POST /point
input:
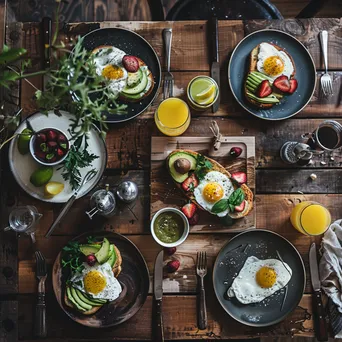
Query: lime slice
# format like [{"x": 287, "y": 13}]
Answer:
[
  {"x": 207, "y": 101},
  {"x": 52, "y": 189},
  {"x": 41, "y": 176},
  {"x": 24, "y": 140},
  {"x": 206, "y": 94}
]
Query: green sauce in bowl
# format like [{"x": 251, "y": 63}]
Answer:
[{"x": 168, "y": 227}]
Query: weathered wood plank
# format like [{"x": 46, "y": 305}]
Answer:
[
  {"x": 9, "y": 321},
  {"x": 179, "y": 322}
]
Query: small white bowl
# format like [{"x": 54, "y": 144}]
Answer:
[
  {"x": 185, "y": 232},
  {"x": 31, "y": 147}
]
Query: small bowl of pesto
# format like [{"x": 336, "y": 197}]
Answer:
[{"x": 169, "y": 227}]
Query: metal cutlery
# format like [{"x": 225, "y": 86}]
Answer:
[
  {"x": 89, "y": 176},
  {"x": 40, "y": 318},
  {"x": 201, "y": 270},
  {"x": 326, "y": 82},
  {"x": 318, "y": 309},
  {"x": 215, "y": 65},
  {"x": 168, "y": 77},
  {"x": 158, "y": 330}
]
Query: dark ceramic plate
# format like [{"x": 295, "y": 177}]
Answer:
[
  {"x": 132, "y": 44},
  {"x": 263, "y": 244},
  {"x": 134, "y": 279},
  {"x": 305, "y": 74}
]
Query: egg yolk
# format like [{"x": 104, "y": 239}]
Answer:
[
  {"x": 94, "y": 282},
  {"x": 273, "y": 65},
  {"x": 113, "y": 72},
  {"x": 213, "y": 192},
  {"x": 266, "y": 277}
]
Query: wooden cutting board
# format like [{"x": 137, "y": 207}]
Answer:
[{"x": 164, "y": 193}]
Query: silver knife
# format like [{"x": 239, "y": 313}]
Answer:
[
  {"x": 215, "y": 65},
  {"x": 318, "y": 310},
  {"x": 158, "y": 331}
]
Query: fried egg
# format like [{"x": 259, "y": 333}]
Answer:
[
  {"x": 214, "y": 187},
  {"x": 108, "y": 63},
  {"x": 273, "y": 62},
  {"x": 259, "y": 279},
  {"x": 97, "y": 280}
]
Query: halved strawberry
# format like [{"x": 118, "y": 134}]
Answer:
[
  {"x": 189, "y": 210},
  {"x": 282, "y": 83},
  {"x": 293, "y": 85},
  {"x": 240, "y": 177},
  {"x": 194, "y": 220},
  {"x": 130, "y": 63},
  {"x": 240, "y": 207},
  {"x": 264, "y": 89},
  {"x": 190, "y": 183}
]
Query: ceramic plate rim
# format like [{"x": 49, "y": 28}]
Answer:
[
  {"x": 233, "y": 92},
  {"x": 215, "y": 288}
]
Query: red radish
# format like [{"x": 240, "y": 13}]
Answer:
[
  {"x": 240, "y": 207},
  {"x": 293, "y": 86},
  {"x": 130, "y": 63},
  {"x": 40, "y": 138},
  {"x": 186, "y": 185},
  {"x": 60, "y": 153},
  {"x": 172, "y": 266},
  {"x": 194, "y": 220},
  {"x": 282, "y": 83},
  {"x": 235, "y": 151},
  {"x": 189, "y": 210},
  {"x": 264, "y": 89},
  {"x": 40, "y": 154},
  {"x": 51, "y": 135},
  {"x": 91, "y": 259},
  {"x": 61, "y": 139},
  {"x": 240, "y": 177},
  {"x": 52, "y": 145},
  {"x": 170, "y": 250}
]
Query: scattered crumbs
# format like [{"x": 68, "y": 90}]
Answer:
[
  {"x": 185, "y": 276},
  {"x": 332, "y": 158},
  {"x": 313, "y": 176},
  {"x": 300, "y": 192},
  {"x": 323, "y": 162}
]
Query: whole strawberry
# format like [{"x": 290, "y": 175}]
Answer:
[
  {"x": 91, "y": 259},
  {"x": 194, "y": 220},
  {"x": 170, "y": 250},
  {"x": 235, "y": 152},
  {"x": 172, "y": 266}
]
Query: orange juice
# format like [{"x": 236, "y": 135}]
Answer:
[
  {"x": 172, "y": 116},
  {"x": 310, "y": 218}
]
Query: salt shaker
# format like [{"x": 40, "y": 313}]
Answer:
[
  {"x": 127, "y": 191},
  {"x": 102, "y": 203}
]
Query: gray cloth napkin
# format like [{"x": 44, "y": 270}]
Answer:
[{"x": 330, "y": 269}]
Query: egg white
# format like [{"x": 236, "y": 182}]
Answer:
[
  {"x": 112, "y": 289},
  {"x": 220, "y": 178},
  {"x": 267, "y": 50},
  {"x": 245, "y": 287}
]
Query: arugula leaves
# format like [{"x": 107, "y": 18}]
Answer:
[
  {"x": 72, "y": 257},
  {"x": 202, "y": 165},
  {"x": 234, "y": 200}
]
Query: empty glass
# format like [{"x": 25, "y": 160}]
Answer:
[{"x": 23, "y": 220}]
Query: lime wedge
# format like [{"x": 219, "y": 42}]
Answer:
[
  {"x": 24, "y": 140},
  {"x": 206, "y": 94},
  {"x": 52, "y": 189},
  {"x": 207, "y": 101}
]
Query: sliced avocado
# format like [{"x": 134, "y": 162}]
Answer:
[
  {"x": 102, "y": 254},
  {"x": 140, "y": 87},
  {"x": 89, "y": 249},
  {"x": 95, "y": 300},
  {"x": 112, "y": 258},
  {"x": 87, "y": 300},
  {"x": 179, "y": 178},
  {"x": 134, "y": 78},
  {"x": 72, "y": 300},
  {"x": 79, "y": 301}
]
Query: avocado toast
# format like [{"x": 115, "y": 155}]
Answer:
[
  {"x": 191, "y": 173},
  {"x": 92, "y": 272}
]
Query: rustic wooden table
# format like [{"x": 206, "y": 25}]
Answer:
[{"x": 278, "y": 187}]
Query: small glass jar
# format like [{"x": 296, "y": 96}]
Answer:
[
  {"x": 202, "y": 92},
  {"x": 172, "y": 117}
]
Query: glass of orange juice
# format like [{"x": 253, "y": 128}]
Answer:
[
  {"x": 310, "y": 218},
  {"x": 172, "y": 117}
]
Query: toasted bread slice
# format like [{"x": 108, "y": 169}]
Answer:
[
  {"x": 253, "y": 67},
  {"x": 216, "y": 167},
  {"x": 70, "y": 305},
  {"x": 117, "y": 266}
]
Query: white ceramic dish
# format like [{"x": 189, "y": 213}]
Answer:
[
  {"x": 22, "y": 166},
  {"x": 185, "y": 232}
]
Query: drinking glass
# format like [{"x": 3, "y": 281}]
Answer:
[
  {"x": 310, "y": 218},
  {"x": 23, "y": 220}
]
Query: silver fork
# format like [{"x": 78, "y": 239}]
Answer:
[
  {"x": 89, "y": 176},
  {"x": 201, "y": 270},
  {"x": 41, "y": 273},
  {"x": 326, "y": 82},
  {"x": 168, "y": 77}
]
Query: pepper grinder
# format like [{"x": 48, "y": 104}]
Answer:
[
  {"x": 293, "y": 152},
  {"x": 102, "y": 203},
  {"x": 127, "y": 191}
]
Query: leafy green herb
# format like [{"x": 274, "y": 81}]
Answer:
[
  {"x": 43, "y": 147},
  {"x": 220, "y": 206},
  {"x": 202, "y": 166},
  {"x": 72, "y": 257},
  {"x": 49, "y": 156},
  {"x": 191, "y": 187},
  {"x": 234, "y": 200},
  {"x": 77, "y": 158},
  {"x": 90, "y": 239},
  {"x": 236, "y": 197}
]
